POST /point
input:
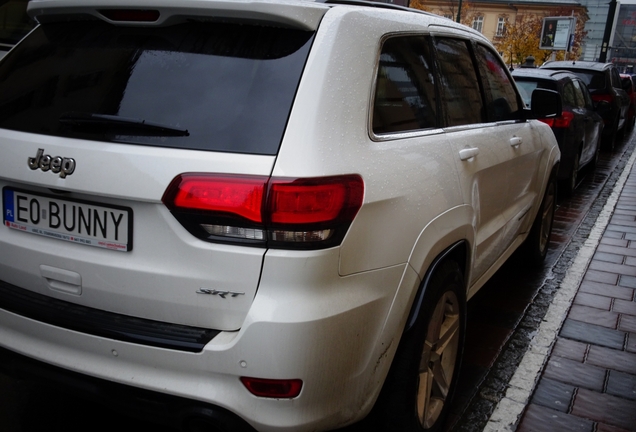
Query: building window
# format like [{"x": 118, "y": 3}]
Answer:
[
  {"x": 501, "y": 26},
  {"x": 478, "y": 23}
]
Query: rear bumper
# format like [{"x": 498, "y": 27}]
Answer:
[
  {"x": 161, "y": 409},
  {"x": 337, "y": 351}
]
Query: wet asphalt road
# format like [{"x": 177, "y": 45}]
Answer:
[{"x": 501, "y": 320}]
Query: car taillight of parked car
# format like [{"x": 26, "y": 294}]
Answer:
[
  {"x": 560, "y": 122},
  {"x": 306, "y": 213}
]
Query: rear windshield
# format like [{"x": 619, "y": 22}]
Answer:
[
  {"x": 526, "y": 87},
  {"x": 14, "y": 22},
  {"x": 593, "y": 80},
  {"x": 205, "y": 86}
]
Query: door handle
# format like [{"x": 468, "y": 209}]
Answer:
[
  {"x": 62, "y": 280},
  {"x": 515, "y": 141},
  {"x": 468, "y": 153}
]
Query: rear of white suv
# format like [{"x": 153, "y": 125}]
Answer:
[{"x": 225, "y": 202}]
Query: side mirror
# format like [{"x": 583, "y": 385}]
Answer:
[{"x": 545, "y": 104}]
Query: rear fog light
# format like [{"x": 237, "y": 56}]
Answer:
[{"x": 273, "y": 388}]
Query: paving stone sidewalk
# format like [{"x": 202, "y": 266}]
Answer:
[{"x": 589, "y": 381}]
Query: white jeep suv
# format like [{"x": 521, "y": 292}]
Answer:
[{"x": 270, "y": 213}]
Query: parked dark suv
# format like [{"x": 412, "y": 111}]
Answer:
[
  {"x": 604, "y": 83},
  {"x": 578, "y": 129},
  {"x": 629, "y": 85}
]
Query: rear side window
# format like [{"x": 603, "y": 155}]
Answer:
[
  {"x": 405, "y": 97},
  {"x": 207, "y": 86},
  {"x": 501, "y": 101},
  {"x": 616, "y": 78},
  {"x": 587, "y": 99},
  {"x": 569, "y": 96},
  {"x": 462, "y": 97},
  {"x": 580, "y": 97}
]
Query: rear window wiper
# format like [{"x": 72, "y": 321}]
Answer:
[{"x": 122, "y": 124}]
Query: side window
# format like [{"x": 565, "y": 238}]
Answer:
[
  {"x": 589, "y": 103},
  {"x": 616, "y": 79},
  {"x": 501, "y": 98},
  {"x": 578, "y": 93},
  {"x": 461, "y": 95},
  {"x": 569, "y": 97},
  {"x": 586, "y": 94},
  {"x": 405, "y": 87}
]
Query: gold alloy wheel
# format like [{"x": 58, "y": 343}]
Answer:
[{"x": 438, "y": 360}]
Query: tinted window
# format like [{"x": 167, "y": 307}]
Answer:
[
  {"x": 14, "y": 21},
  {"x": 586, "y": 94},
  {"x": 405, "y": 87},
  {"x": 578, "y": 93},
  {"x": 569, "y": 97},
  {"x": 526, "y": 87},
  {"x": 593, "y": 80},
  {"x": 229, "y": 86},
  {"x": 462, "y": 97},
  {"x": 500, "y": 93},
  {"x": 616, "y": 78}
]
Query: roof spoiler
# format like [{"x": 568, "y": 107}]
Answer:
[{"x": 305, "y": 16}]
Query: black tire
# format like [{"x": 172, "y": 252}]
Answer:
[
  {"x": 536, "y": 245},
  {"x": 612, "y": 137},
  {"x": 421, "y": 383},
  {"x": 594, "y": 162}
]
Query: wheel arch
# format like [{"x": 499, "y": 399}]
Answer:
[{"x": 457, "y": 252}]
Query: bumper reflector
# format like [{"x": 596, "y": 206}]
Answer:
[{"x": 273, "y": 388}]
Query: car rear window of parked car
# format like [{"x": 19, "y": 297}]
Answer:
[
  {"x": 593, "y": 80},
  {"x": 207, "y": 86}
]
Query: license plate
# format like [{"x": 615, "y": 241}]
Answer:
[{"x": 81, "y": 222}]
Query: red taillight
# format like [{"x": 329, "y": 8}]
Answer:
[
  {"x": 263, "y": 211},
  {"x": 238, "y": 195},
  {"x": 131, "y": 15},
  {"x": 307, "y": 201},
  {"x": 565, "y": 120},
  {"x": 560, "y": 122},
  {"x": 273, "y": 388}
]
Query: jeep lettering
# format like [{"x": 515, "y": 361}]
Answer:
[{"x": 57, "y": 164}]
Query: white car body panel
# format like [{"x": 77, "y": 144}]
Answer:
[
  {"x": 331, "y": 317},
  {"x": 132, "y": 283}
]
